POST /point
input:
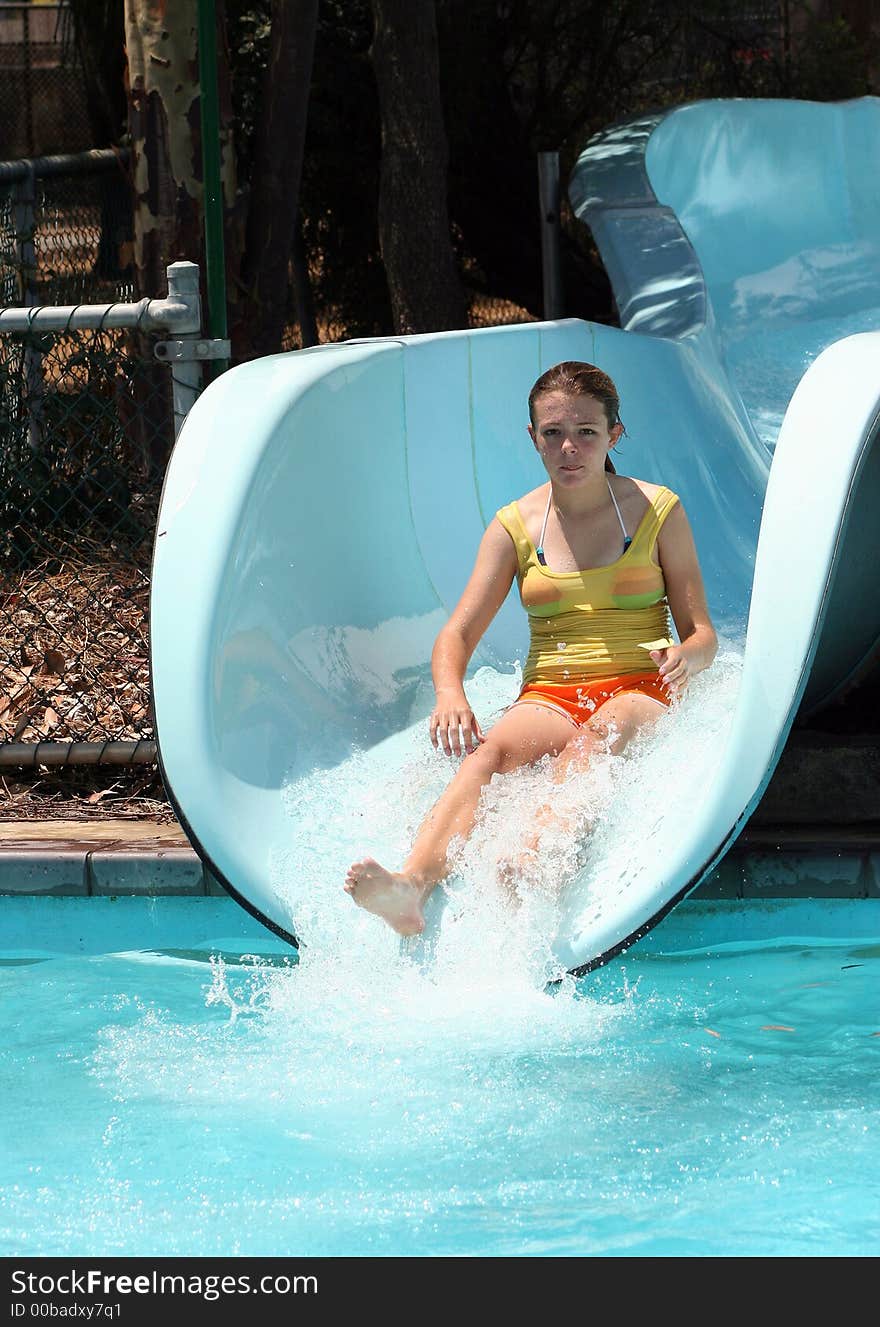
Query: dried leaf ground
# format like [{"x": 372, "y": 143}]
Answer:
[
  {"x": 86, "y": 793},
  {"x": 74, "y": 638}
]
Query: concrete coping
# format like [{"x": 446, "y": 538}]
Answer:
[
  {"x": 131, "y": 857},
  {"x": 101, "y": 858}
]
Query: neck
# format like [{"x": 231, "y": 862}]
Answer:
[{"x": 589, "y": 497}]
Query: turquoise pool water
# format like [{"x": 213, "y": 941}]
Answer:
[{"x": 175, "y": 1085}]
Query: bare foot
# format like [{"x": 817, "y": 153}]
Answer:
[
  {"x": 512, "y": 871},
  {"x": 395, "y": 898},
  {"x": 525, "y": 864},
  {"x": 525, "y": 861}
]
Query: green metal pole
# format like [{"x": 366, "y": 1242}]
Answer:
[{"x": 215, "y": 257}]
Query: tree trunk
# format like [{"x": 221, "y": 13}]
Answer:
[
  {"x": 302, "y": 291},
  {"x": 163, "y": 116},
  {"x": 277, "y": 170},
  {"x": 99, "y": 32},
  {"x": 99, "y": 29},
  {"x": 863, "y": 20},
  {"x": 164, "y": 120},
  {"x": 414, "y": 234},
  {"x": 162, "y": 85}
]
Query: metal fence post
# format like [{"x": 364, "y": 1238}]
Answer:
[
  {"x": 183, "y": 352},
  {"x": 24, "y": 223},
  {"x": 215, "y": 261},
  {"x": 28, "y": 78},
  {"x": 551, "y": 264}
]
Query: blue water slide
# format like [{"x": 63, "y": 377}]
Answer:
[{"x": 322, "y": 508}]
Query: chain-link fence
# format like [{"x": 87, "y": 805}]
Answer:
[
  {"x": 66, "y": 229},
  {"x": 80, "y": 476},
  {"x": 86, "y": 427},
  {"x": 43, "y": 98}
]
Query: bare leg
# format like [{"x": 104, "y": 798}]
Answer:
[
  {"x": 520, "y": 737},
  {"x": 614, "y": 726}
]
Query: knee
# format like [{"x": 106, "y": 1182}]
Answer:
[
  {"x": 488, "y": 759},
  {"x": 590, "y": 737},
  {"x": 599, "y": 735}
]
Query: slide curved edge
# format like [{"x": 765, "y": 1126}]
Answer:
[
  {"x": 795, "y": 569},
  {"x": 214, "y": 463}
]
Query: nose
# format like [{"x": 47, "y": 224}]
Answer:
[{"x": 568, "y": 443}]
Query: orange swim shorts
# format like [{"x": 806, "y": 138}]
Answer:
[{"x": 583, "y": 700}]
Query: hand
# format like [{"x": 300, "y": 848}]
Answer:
[
  {"x": 454, "y": 725},
  {"x": 673, "y": 667}
]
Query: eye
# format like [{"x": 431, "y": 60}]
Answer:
[{"x": 588, "y": 431}]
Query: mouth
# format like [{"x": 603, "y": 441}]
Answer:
[{"x": 570, "y": 469}]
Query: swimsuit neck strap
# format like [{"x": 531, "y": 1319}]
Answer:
[{"x": 540, "y": 548}]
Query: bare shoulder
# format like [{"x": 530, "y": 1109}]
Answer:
[
  {"x": 532, "y": 506},
  {"x": 634, "y": 496},
  {"x": 533, "y": 502},
  {"x": 648, "y": 490},
  {"x": 497, "y": 545}
]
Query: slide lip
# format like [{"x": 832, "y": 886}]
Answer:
[
  {"x": 622, "y": 946},
  {"x": 211, "y": 865},
  {"x": 168, "y": 783}
]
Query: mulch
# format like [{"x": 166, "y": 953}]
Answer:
[
  {"x": 85, "y": 792},
  {"x": 74, "y": 649},
  {"x": 74, "y": 667}
]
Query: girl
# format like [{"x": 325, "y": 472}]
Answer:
[{"x": 602, "y": 561}]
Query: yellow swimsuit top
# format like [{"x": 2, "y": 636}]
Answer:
[{"x": 600, "y": 622}]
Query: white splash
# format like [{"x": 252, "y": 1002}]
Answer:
[{"x": 495, "y": 919}]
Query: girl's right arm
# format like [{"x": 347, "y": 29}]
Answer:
[{"x": 453, "y": 725}]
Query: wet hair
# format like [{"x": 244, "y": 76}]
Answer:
[{"x": 575, "y": 377}]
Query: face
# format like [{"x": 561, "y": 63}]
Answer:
[{"x": 572, "y": 436}]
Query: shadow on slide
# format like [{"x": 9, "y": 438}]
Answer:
[{"x": 322, "y": 508}]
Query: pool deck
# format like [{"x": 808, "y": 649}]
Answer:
[
  {"x": 815, "y": 833},
  {"x": 100, "y": 857}
]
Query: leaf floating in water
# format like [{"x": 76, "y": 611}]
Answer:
[
  {"x": 712, "y": 1032},
  {"x": 776, "y": 1027}
]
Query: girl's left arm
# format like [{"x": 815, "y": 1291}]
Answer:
[{"x": 677, "y": 554}]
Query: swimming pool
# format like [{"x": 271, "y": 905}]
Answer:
[{"x": 179, "y": 1083}]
